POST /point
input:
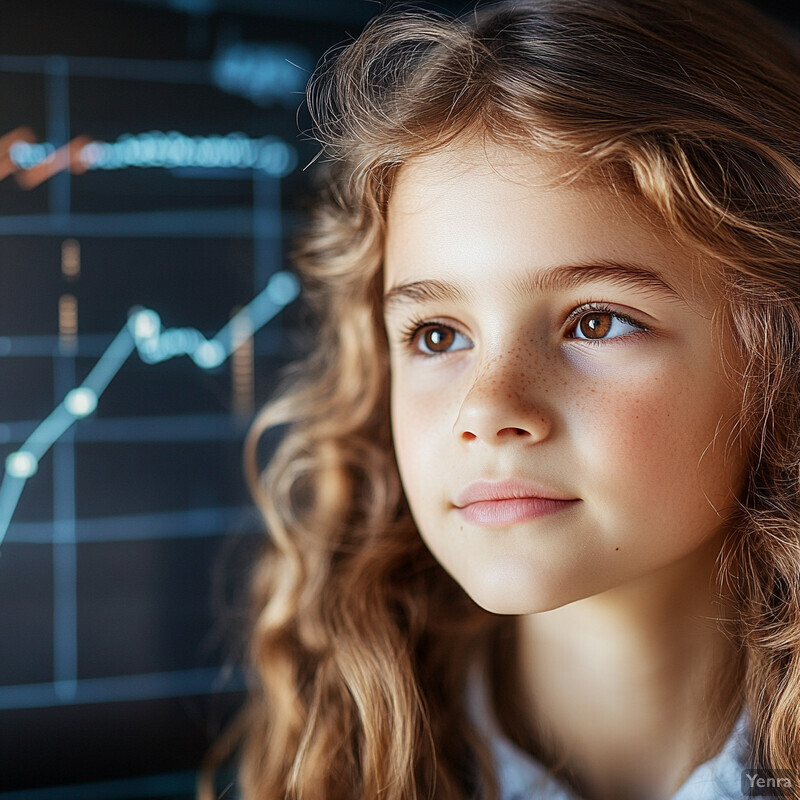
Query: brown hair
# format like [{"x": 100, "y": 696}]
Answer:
[{"x": 361, "y": 640}]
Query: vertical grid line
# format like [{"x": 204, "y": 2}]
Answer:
[
  {"x": 267, "y": 237},
  {"x": 57, "y": 89},
  {"x": 65, "y": 601}
]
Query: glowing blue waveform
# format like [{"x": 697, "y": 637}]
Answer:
[
  {"x": 143, "y": 333},
  {"x": 169, "y": 150}
]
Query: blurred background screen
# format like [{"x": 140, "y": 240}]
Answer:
[{"x": 151, "y": 177}]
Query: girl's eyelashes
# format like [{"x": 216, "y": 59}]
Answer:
[
  {"x": 591, "y": 321},
  {"x": 434, "y": 338},
  {"x": 596, "y": 322}
]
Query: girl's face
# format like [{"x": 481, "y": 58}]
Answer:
[{"x": 560, "y": 416}]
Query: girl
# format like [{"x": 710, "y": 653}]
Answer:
[{"x": 535, "y": 519}]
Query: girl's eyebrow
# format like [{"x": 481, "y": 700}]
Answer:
[{"x": 559, "y": 278}]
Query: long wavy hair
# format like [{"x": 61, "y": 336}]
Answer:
[{"x": 361, "y": 641}]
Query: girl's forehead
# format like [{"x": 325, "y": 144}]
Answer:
[
  {"x": 483, "y": 173},
  {"x": 478, "y": 194}
]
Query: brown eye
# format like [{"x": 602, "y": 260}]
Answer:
[
  {"x": 439, "y": 339},
  {"x": 595, "y": 325},
  {"x": 435, "y": 339},
  {"x": 601, "y": 324}
]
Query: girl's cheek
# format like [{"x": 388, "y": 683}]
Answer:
[
  {"x": 425, "y": 396},
  {"x": 421, "y": 375},
  {"x": 654, "y": 439},
  {"x": 616, "y": 366},
  {"x": 632, "y": 419}
]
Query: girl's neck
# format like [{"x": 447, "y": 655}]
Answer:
[{"x": 633, "y": 688}]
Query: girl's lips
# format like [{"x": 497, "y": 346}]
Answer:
[
  {"x": 513, "y": 489},
  {"x": 506, "y": 512},
  {"x": 505, "y": 502}
]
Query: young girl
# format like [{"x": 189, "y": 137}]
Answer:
[{"x": 535, "y": 519}]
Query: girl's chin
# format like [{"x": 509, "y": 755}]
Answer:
[{"x": 519, "y": 598}]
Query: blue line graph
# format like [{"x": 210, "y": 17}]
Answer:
[{"x": 144, "y": 334}]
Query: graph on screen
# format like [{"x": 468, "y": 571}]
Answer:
[
  {"x": 142, "y": 333},
  {"x": 142, "y": 320}
]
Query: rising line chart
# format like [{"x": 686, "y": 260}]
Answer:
[{"x": 144, "y": 334}]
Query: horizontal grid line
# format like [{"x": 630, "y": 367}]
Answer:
[
  {"x": 123, "y": 688},
  {"x": 193, "y": 523},
  {"x": 178, "y": 427}
]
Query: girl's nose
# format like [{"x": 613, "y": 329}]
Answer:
[{"x": 500, "y": 407}]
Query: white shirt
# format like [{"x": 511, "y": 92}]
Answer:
[{"x": 521, "y": 777}]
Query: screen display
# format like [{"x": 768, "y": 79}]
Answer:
[{"x": 150, "y": 179}]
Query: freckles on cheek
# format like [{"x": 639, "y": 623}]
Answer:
[{"x": 641, "y": 443}]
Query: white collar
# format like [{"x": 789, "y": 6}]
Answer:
[{"x": 521, "y": 777}]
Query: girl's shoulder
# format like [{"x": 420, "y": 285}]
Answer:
[{"x": 521, "y": 777}]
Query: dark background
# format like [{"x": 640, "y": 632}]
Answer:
[{"x": 123, "y": 570}]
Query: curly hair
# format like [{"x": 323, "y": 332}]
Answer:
[{"x": 361, "y": 640}]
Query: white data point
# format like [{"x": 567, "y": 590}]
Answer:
[
  {"x": 208, "y": 355},
  {"x": 80, "y": 402},
  {"x": 21, "y": 464},
  {"x": 146, "y": 324}
]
